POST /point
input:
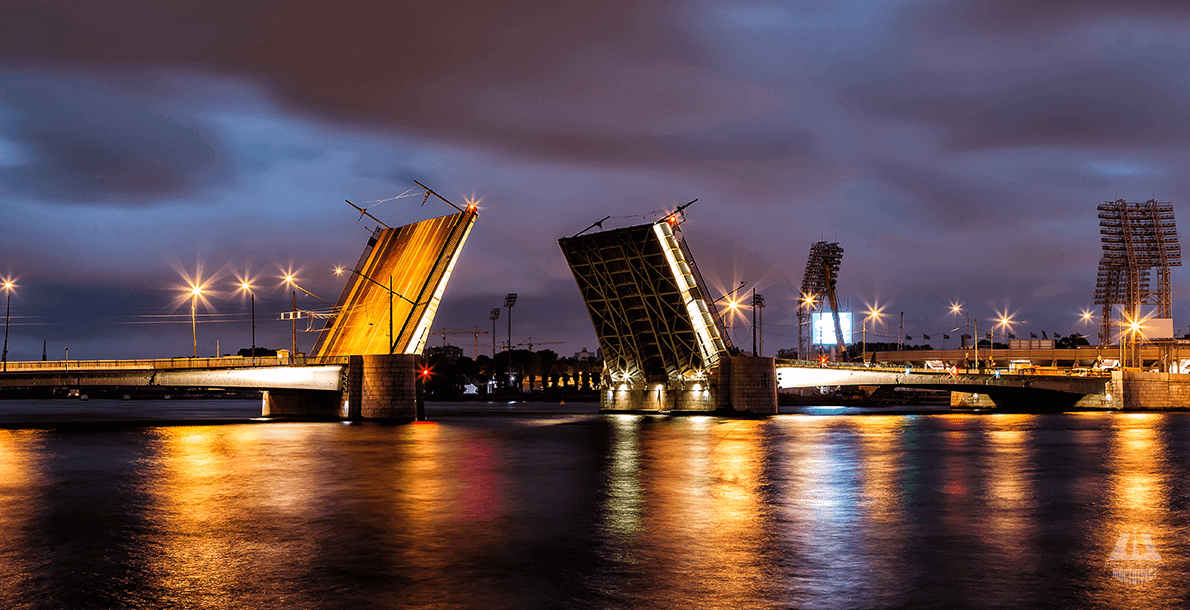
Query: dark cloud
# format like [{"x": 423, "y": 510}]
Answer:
[
  {"x": 1081, "y": 104},
  {"x": 83, "y": 143},
  {"x": 1029, "y": 16},
  {"x": 943, "y": 201},
  {"x": 612, "y": 83}
]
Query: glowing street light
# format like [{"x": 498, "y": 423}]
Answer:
[
  {"x": 958, "y": 308},
  {"x": 8, "y": 286},
  {"x": 246, "y": 286},
  {"x": 873, "y": 312},
  {"x": 195, "y": 292},
  {"x": 732, "y": 306},
  {"x": 1005, "y": 321}
]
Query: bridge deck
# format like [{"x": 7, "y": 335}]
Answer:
[
  {"x": 793, "y": 374},
  {"x": 228, "y": 372}
]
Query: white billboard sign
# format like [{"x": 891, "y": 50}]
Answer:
[{"x": 822, "y": 324}]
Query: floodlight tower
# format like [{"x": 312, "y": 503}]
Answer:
[
  {"x": 822, "y": 272},
  {"x": 1136, "y": 237}
]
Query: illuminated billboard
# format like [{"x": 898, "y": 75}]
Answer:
[
  {"x": 822, "y": 325},
  {"x": 1157, "y": 328}
]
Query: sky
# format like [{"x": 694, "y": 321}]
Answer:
[{"x": 956, "y": 150}]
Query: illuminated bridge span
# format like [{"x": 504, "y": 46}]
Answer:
[
  {"x": 664, "y": 346},
  {"x": 1004, "y": 389},
  {"x": 365, "y": 362}
]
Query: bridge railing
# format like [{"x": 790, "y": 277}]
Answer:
[
  {"x": 892, "y": 368},
  {"x": 171, "y": 363}
]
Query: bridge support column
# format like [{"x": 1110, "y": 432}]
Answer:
[
  {"x": 742, "y": 384},
  {"x": 384, "y": 387},
  {"x": 375, "y": 387},
  {"x": 753, "y": 384}
]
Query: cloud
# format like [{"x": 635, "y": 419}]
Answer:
[
  {"x": 1027, "y": 16},
  {"x": 615, "y": 83},
  {"x": 1089, "y": 103},
  {"x": 82, "y": 143}
]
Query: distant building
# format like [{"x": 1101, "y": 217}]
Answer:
[
  {"x": 449, "y": 353},
  {"x": 582, "y": 356}
]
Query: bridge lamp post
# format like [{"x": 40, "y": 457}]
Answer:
[
  {"x": 873, "y": 312},
  {"x": 1003, "y": 322},
  {"x": 247, "y": 287},
  {"x": 8, "y": 286},
  {"x": 957, "y": 308},
  {"x": 195, "y": 292},
  {"x": 1088, "y": 316},
  {"x": 733, "y": 306}
]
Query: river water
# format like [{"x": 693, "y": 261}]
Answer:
[{"x": 556, "y": 506}]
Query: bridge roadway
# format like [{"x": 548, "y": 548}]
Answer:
[
  {"x": 226, "y": 373},
  {"x": 1003, "y": 386}
]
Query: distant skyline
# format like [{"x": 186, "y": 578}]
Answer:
[{"x": 955, "y": 149}]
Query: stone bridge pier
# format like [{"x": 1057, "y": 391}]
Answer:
[{"x": 373, "y": 388}]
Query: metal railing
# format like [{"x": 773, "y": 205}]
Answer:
[{"x": 226, "y": 362}]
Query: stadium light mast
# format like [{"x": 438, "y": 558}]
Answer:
[{"x": 510, "y": 302}]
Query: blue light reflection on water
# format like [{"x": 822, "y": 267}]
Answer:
[{"x": 567, "y": 508}]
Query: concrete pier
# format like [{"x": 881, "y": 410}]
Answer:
[
  {"x": 740, "y": 384},
  {"x": 374, "y": 388}
]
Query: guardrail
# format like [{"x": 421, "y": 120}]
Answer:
[
  {"x": 883, "y": 368},
  {"x": 226, "y": 362}
]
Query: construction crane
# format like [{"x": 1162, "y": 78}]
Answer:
[
  {"x": 530, "y": 343},
  {"x": 476, "y": 332}
]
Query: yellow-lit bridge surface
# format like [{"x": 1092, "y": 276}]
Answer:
[
  {"x": 389, "y": 302},
  {"x": 227, "y": 372}
]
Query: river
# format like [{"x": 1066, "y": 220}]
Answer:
[{"x": 192, "y": 504}]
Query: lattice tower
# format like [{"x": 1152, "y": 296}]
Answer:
[
  {"x": 818, "y": 284},
  {"x": 1136, "y": 237}
]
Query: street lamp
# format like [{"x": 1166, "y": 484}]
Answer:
[
  {"x": 8, "y": 286},
  {"x": 873, "y": 312},
  {"x": 195, "y": 292},
  {"x": 957, "y": 308},
  {"x": 1005, "y": 321},
  {"x": 292, "y": 281},
  {"x": 732, "y": 305},
  {"x": 247, "y": 287},
  {"x": 806, "y": 304}
]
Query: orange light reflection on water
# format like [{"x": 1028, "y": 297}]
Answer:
[{"x": 20, "y": 488}]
